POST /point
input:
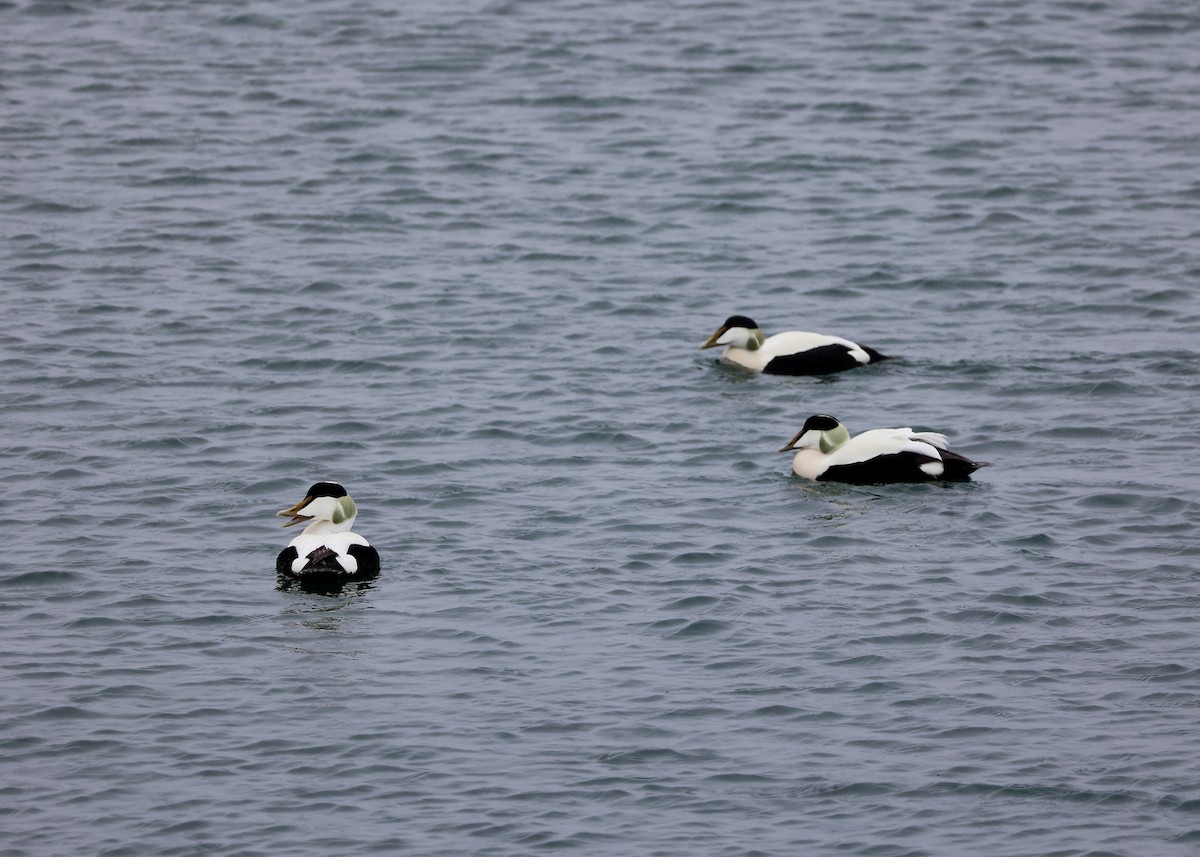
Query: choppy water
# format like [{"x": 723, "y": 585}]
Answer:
[{"x": 459, "y": 257}]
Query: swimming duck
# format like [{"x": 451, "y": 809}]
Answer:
[
  {"x": 793, "y": 353},
  {"x": 326, "y": 547},
  {"x": 827, "y": 453}
]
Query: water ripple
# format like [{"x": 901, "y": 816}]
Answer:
[{"x": 461, "y": 259}]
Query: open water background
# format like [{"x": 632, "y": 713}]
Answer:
[{"x": 459, "y": 256}]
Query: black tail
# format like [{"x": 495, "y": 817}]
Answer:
[
  {"x": 958, "y": 467},
  {"x": 875, "y": 356}
]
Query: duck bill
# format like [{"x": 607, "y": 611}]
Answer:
[
  {"x": 791, "y": 444},
  {"x": 711, "y": 342},
  {"x": 294, "y": 513}
]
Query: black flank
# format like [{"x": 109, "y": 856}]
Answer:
[
  {"x": 368, "y": 558},
  {"x": 283, "y": 563},
  {"x": 900, "y": 467},
  {"x": 815, "y": 361},
  {"x": 323, "y": 566}
]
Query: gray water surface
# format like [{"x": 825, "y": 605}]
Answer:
[{"x": 459, "y": 257}]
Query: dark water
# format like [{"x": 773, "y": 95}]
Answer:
[{"x": 459, "y": 257}]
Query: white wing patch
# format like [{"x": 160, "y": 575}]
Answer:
[
  {"x": 796, "y": 341},
  {"x": 879, "y": 442},
  {"x": 931, "y": 437}
]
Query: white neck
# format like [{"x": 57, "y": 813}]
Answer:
[{"x": 323, "y": 527}]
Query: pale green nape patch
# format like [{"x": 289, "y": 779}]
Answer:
[
  {"x": 756, "y": 340},
  {"x": 832, "y": 439},
  {"x": 345, "y": 510}
]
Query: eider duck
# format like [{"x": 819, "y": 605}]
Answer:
[
  {"x": 827, "y": 453},
  {"x": 326, "y": 548},
  {"x": 795, "y": 352}
]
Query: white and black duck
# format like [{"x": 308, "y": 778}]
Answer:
[
  {"x": 795, "y": 352},
  {"x": 326, "y": 549},
  {"x": 826, "y": 452}
]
